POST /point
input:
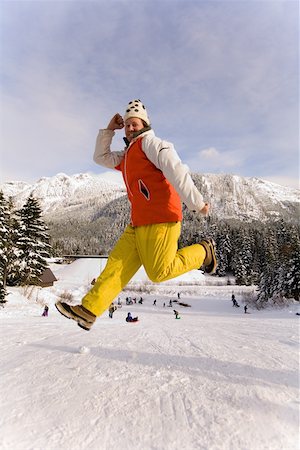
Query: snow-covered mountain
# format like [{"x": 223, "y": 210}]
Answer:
[
  {"x": 64, "y": 194},
  {"x": 244, "y": 198},
  {"x": 231, "y": 196}
]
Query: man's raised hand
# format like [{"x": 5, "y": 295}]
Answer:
[{"x": 116, "y": 123}]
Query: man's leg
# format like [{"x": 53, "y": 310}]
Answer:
[
  {"x": 157, "y": 245},
  {"x": 122, "y": 264}
]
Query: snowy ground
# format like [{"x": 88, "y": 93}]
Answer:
[{"x": 217, "y": 379}]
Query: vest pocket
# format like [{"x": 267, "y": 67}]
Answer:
[{"x": 143, "y": 189}]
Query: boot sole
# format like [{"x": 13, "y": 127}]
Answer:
[
  {"x": 211, "y": 268},
  {"x": 70, "y": 315}
]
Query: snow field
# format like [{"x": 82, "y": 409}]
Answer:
[{"x": 217, "y": 379}]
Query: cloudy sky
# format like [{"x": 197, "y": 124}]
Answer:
[{"x": 219, "y": 80}]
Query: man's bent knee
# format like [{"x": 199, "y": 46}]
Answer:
[{"x": 157, "y": 277}]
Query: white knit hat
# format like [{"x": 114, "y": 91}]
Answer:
[{"x": 136, "y": 108}]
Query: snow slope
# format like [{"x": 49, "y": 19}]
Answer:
[{"x": 217, "y": 379}]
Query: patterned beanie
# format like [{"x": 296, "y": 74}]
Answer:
[{"x": 136, "y": 108}]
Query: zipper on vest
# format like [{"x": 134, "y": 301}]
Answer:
[{"x": 125, "y": 173}]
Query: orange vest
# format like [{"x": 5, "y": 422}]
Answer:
[{"x": 153, "y": 199}]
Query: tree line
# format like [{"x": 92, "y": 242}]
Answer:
[{"x": 263, "y": 254}]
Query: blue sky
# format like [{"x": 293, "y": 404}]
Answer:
[{"x": 219, "y": 80}]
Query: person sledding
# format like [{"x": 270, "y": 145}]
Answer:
[
  {"x": 129, "y": 318},
  {"x": 157, "y": 182}
]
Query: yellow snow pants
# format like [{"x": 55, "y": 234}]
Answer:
[{"x": 153, "y": 246}]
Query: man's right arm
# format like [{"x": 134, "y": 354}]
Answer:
[{"x": 103, "y": 154}]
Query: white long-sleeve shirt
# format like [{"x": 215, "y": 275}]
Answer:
[{"x": 163, "y": 155}]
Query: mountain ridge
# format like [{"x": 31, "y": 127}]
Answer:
[
  {"x": 231, "y": 196},
  {"x": 64, "y": 191}
]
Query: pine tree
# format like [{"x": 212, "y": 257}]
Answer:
[
  {"x": 224, "y": 250},
  {"x": 33, "y": 243},
  {"x": 13, "y": 252},
  {"x": 292, "y": 280},
  {"x": 4, "y": 244},
  {"x": 243, "y": 263},
  {"x": 289, "y": 281},
  {"x": 286, "y": 277},
  {"x": 267, "y": 281}
]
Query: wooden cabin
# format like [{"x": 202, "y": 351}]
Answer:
[{"x": 47, "y": 278}]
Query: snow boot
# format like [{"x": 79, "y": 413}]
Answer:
[
  {"x": 210, "y": 263},
  {"x": 81, "y": 315}
]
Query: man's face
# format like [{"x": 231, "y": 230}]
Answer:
[{"x": 131, "y": 125}]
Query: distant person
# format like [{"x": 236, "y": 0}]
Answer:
[
  {"x": 157, "y": 182},
  {"x": 245, "y": 309},
  {"x": 170, "y": 304},
  {"x": 178, "y": 295},
  {"x": 154, "y": 303},
  {"x": 234, "y": 302},
  {"x": 176, "y": 314},
  {"x": 111, "y": 310},
  {"x": 129, "y": 318},
  {"x": 233, "y": 299},
  {"x": 45, "y": 312}
]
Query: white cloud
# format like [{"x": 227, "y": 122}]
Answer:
[
  {"x": 213, "y": 160},
  {"x": 210, "y": 154},
  {"x": 284, "y": 181}
]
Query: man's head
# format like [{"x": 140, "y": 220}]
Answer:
[
  {"x": 136, "y": 109},
  {"x": 135, "y": 118}
]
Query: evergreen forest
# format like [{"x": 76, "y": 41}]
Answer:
[{"x": 265, "y": 254}]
